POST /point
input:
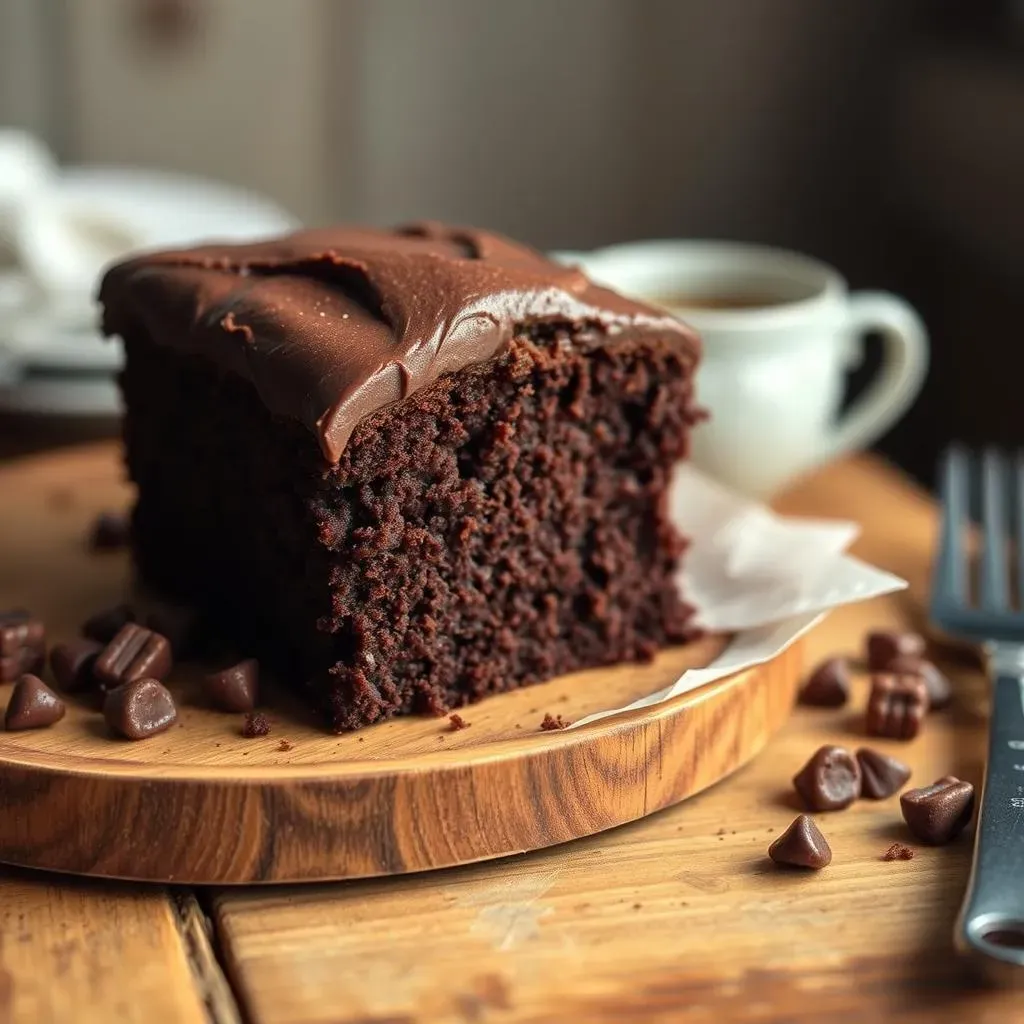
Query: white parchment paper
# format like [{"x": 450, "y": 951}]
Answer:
[{"x": 766, "y": 578}]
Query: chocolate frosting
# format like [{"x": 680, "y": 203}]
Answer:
[{"x": 330, "y": 325}]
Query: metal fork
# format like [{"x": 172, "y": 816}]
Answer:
[{"x": 991, "y": 921}]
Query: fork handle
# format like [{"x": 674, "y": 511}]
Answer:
[{"x": 991, "y": 922}]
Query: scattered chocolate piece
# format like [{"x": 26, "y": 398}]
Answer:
[
  {"x": 830, "y": 781},
  {"x": 938, "y": 813},
  {"x": 898, "y": 852},
  {"x": 134, "y": 653},
  {"x": 284, "y": 746},
  {"x": 828, "y": 686},
  {"x": 552, "y": 722},
  {"x": 106, "y": 624},
  {"x": 457, "y": 722},
  {"x": 180, "y": 624},
  {"x": 802, "y": 846},
  {"x": 885, "y": 645},
  {"x": 235, "y": 688},
  {"x": 937, "y": 684},
  {"x": 880, "y": 774},
  {"x": 33, "y": 705},
  {"x": 22, "y": 644},
  {"x": 139, "y": 708},
  {"x": 256, "y": 724},
  {"x": 73, "y": 662},
  {"x": 896, "y": 707},
  {"x": 111, "y": 531}
]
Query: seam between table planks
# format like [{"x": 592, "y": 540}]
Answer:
[{"x": 199, "y": 940}]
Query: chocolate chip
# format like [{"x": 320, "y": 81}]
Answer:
[
  {"x": 235, "y": 688},
  {"x": 802, "y": 845},
  {"x": 897, "y": 706},
  {"x": 938, "y": 813},
  {"x": 885, "y": 645},
  {"x": 33, "y": 705},
  {"x": 898, "y": 852},
  {"x": 828, "y": 686},
  {"x": 139, "y": 708},
  {"x": 880, "y": 775},
  {"x": 940, "y": 690},
  {"x": 111, "y": 531},
  {"x": 22, "y": 644},
  {"x": 134, "y": 652},
  {"x": 180, "y": 624},
  {"x": 256, "y": 724},
  {"x": 106, "y": 624},
  {"x": 830, "y": 781},
  {"x": 73, "y": 662}
]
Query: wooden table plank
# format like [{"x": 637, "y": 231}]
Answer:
[
  {"x": 93, "y": 953},
  {"x": 676, "y": 917}
]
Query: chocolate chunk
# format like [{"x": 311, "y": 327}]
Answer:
[
  {"x": 938, "y": 813},
  {"x": 802, "y": 845},
  {"x": 256, "y": 724},
  {"x": 880, "y": 775},
  {"x": 180, "y": 624},
  {"x": 830, "y": 781},
  {"x": 940, "y": 690},
  {"x": 898, "y": 852},
  {"x": 22, "y": 644},
  {"x": 73, "y": 662},
  {"x": 106, "y": 624},
  {"x": 135, "y": 652},
  {"x": 33, "y": 705},
  {"x": 828, "y": 685},
  {"x": 139, "y": 708},
  {"x": 885, "y": 645},
  {"x": 235, "y": 688},
  {"x": 111, "y": 531},
  {"x": 897, "y": 706}
]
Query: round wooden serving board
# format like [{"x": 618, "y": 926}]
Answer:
[{"x": 201, "y": 804}]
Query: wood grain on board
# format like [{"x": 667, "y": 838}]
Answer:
[
  {"x": 202, "y": 804},
  {"x": 679, "y": 917}
]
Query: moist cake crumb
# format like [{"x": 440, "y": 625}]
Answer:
[
  {"x": 457, "y": 722},
  {"x": 552, "y": 722},
  {"x": 898, "y": 852},
  {"x": 256, "y": 724},
  {"x": 284, "y": 746}
]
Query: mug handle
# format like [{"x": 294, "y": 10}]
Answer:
[{"x": 904, "y": 366}]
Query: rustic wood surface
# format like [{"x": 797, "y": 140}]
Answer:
[
  {"x": 678, "y": 917},
  {"x": 403, "y": 796}
]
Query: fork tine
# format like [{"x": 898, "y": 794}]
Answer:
[
  {"x": 951, "y": 569},
  {"x": 995, "y": 587},
  {"x": 1018, "y": 525}
]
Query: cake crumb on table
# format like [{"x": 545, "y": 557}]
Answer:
[
  {"x": 552, "y": 722},
  {"x": 457, "y": 722},
  {"x": 284, "y": 746},
  {"x": 898, "y": 852},
  {"x": 256, "y": 724}
]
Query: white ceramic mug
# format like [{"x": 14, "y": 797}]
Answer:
[{"x": 773, "y": 368}]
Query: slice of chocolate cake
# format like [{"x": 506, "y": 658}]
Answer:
[{"x": 406, "y": 469}]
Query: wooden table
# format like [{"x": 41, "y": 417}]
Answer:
[{"x": 677, "y": 917}]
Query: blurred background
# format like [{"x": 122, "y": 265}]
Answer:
[{"x": 885, "y": 137}]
